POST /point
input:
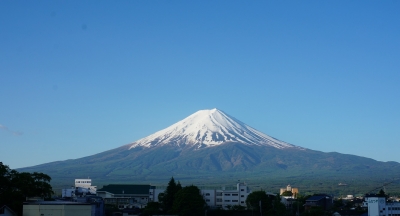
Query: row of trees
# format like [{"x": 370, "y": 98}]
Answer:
[
  {"x": 187, "y": 200},
  {"x": 15, "y": 187},
  {"x": 177, "y": 200}
]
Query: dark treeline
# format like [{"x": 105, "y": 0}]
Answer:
[{"x": 15, "y": 187}]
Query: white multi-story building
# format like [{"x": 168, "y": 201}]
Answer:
[
  {"x": 377, "y": 206},
  {"x": 216, "y": 198},
  {"x": 225, "y": 198},
  {"x": 82, "y": 187}
]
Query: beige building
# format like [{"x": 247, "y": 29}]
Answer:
[
  {"x": 294, "y": 191},
  {"x": 58, "y": 209}
]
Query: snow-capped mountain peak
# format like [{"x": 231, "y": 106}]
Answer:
[{"x": 206, "y": 128}]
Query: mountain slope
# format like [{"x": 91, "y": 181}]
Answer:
[{"x": 211, "y": 147}]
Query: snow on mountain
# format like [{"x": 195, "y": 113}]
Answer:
[{"x": 207, "y": 128}]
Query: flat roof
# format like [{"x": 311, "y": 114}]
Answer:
[
  {"x": 126, "y": 189},
  {"x": 57, "y": 203}
]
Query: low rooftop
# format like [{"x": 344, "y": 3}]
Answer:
[{"x": 125, "y": 189}]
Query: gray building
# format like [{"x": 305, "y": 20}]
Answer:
[
  {"x": 59, "y": 208},
  {"x": 125, "y": 195}
]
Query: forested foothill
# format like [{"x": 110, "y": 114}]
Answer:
[{"x": 16, "y": 187}]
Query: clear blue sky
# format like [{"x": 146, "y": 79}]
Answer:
[{"x": 80, "y": 78}]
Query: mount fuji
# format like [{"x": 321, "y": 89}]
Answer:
[
  {"x": 208, "y": 128},
  {"x": 212, "y": 147}
]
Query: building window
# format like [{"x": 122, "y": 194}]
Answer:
[
  {"x": 235, "y": 201},
  {"x": 241, "y": 195},
  {"x": 219, "y": 200},
  {"x": 227, "y": 200},
  {"x": 235, "y": 194},
  {"x": 207, "y": 194},
  {"x": 207, "y": 200},
  {"x": 227, "y": 194},
  {"x": 242, "y": 202},
  {"x": 219, "y": 194},
  {"x": 241, "y": 189}
]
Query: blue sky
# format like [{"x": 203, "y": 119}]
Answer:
[{"x": 79, "y": 78}]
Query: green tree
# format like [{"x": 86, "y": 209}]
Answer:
[
  {"x": 254, "y": 199},
  {"x": 15, "y": 187},
  {"x": 188, "y": 201},
  {"x": 160, "y": 197},
  {"x": 337, "y": 204},
  {"x": 314, "y": 211},
  {"x": 152, "y": 208},
  {"x": 299, "y": 205},
  {"x": 270, "y": 204},
  {"x": 167, "y": 199},
  {"x": 287, "y": 193},
  {"x": 238, "y": 208},
  {"x": 278, "y": 208},
  {"x": 381, "y": 193}
]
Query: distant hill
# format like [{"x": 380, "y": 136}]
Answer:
[{"x": 212, "y": 148}]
